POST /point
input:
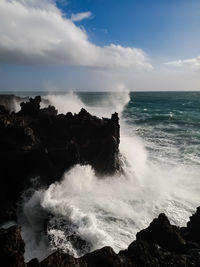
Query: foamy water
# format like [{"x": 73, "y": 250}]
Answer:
[{"x": 112, "y": 210}]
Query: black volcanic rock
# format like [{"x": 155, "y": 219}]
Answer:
[
  {"x": 192, "y": 232},
  {"x": 161, "y": 232},
  {"x": 11, "y": 247},
  {"x": 38, "y": 142},
  {"x": 146, "y": 251},
  {"x": 141, "y": 253},
  {"x": 32, "y": 107},
  {"x": 106, "y": 257}
]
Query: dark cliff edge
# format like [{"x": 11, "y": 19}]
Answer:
[
  {"x": 159, "y": 245},
  {"x": 38, "y": 142}
]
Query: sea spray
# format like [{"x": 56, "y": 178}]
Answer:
[
  {"x": 69, "y": 102},
  {"x": 112, "y": 210}
]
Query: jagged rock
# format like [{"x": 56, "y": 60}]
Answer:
[
  {"x": 147, "y": 251},
  {"x": 161, "y": 232},
  {"x": 38, "y": 142},
  {"x": 49, "y": 111},
  {"x": 31, "y": 107},
  {"x": 11, "y": 247},
  {"x": 144, "y": 254}
]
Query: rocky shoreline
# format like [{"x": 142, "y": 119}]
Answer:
[
  {"x": 39, "y": 142},
  {"x": 159, "y": 245}
]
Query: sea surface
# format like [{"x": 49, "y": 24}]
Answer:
[{"x": 160, "y": 150}]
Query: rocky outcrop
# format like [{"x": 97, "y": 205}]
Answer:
[
  {"x": 161, "y": 232},
  {"x": 38, "y": 142},
  {"x": 162, "y": 248}
]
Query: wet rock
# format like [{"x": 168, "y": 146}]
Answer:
[{"x": 68, "y": 235}]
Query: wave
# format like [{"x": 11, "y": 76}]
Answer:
[{"x": 83, "y": 213}]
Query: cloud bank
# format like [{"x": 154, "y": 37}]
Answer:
[
  {"x": 193, "y": 63},
  {"x": 37, "y": 32}
]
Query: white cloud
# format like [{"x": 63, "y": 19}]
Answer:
[
  {"x": 36, "y": 32},
  {"x": 81, "y": 16},
  {"x": 193, "y": 63}
]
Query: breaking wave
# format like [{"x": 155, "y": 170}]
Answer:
[{"x": 83, "y": 213}]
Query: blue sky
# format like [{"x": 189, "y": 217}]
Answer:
[
  {"x": 99, "y": 44},
  {"x": 164, "y": 28}
]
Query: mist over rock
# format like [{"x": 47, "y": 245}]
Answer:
[
  {"x": 10, "y": 101},
  {"x": 37, "y": 142}
]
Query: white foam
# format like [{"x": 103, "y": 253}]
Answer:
[
  {"x": 69, "y": 102},
  {"x": 112, "y": 210}
]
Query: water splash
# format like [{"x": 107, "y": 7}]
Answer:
[{"x": 92, "y": 212}]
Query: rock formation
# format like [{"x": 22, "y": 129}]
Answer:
[
  {"x": 38, "y": 142},
  {"x": 162, "y": 248}
]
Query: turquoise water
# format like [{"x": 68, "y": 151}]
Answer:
[{"x": 168, "y": 122}]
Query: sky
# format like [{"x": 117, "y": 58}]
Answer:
[{"x": 99, "y": 45}]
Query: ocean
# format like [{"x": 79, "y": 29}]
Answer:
[{"x": 160, "y": 151}]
